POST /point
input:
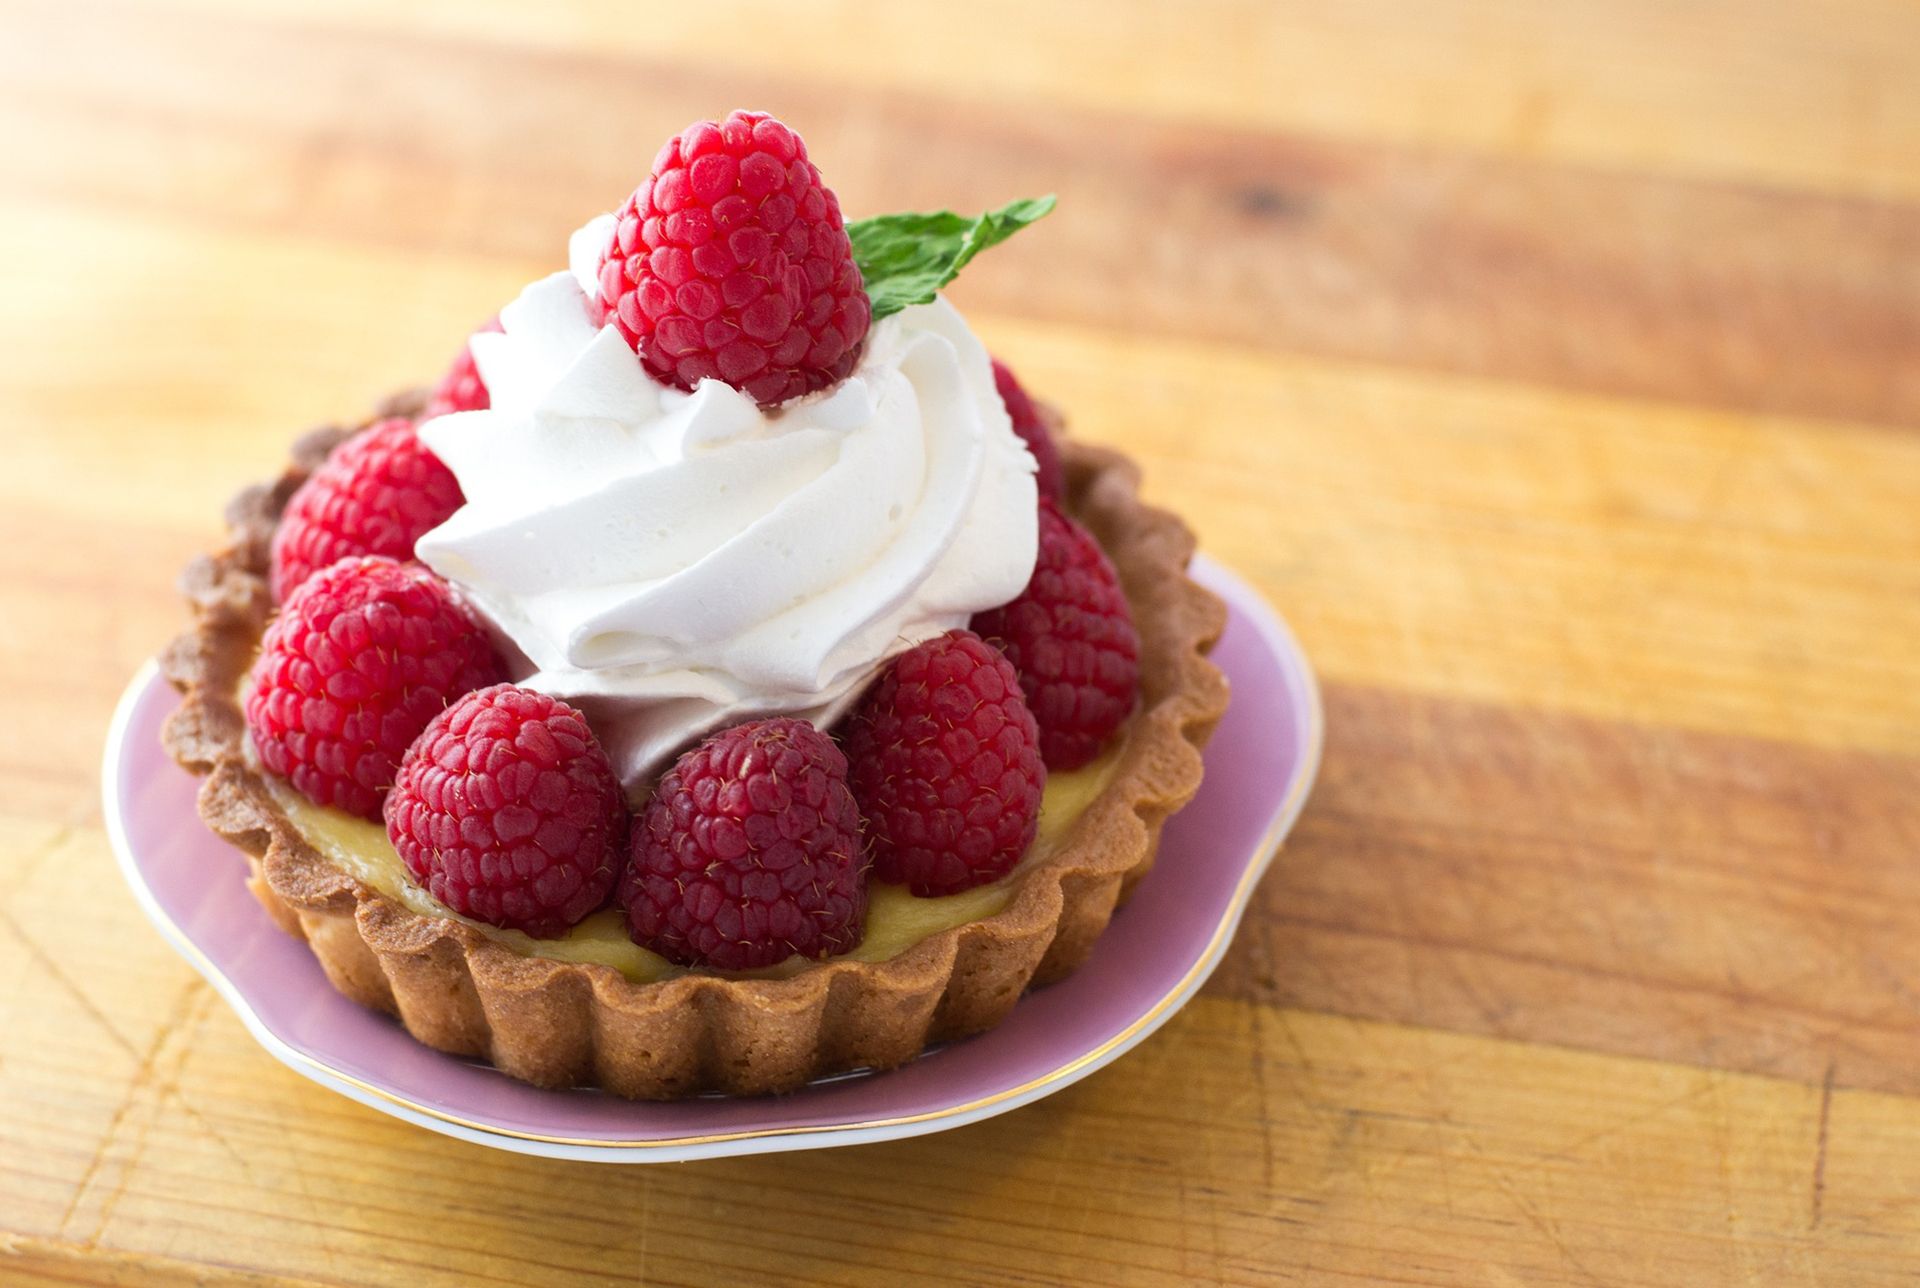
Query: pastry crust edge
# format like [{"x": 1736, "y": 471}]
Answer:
[{"x": 558, "y": 1024}]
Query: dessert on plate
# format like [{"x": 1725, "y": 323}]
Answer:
[{"x": 725, "y": 676}]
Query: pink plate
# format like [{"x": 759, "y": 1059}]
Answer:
[{"x": 1160, "y": 948}]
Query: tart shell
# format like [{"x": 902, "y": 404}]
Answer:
[{"x": 560, "y": 1024}]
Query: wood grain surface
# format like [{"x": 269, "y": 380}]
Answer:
[{"x": 1554, "y": 369}]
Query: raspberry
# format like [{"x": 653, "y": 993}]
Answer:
[
  {"x": 461, "y": 389},
  {"x": 1032, "y": 430},
  {"x": 1070, "y": 636},
  {"x": 749, "y": 852},
  {"x": 732, "y": 263},
  {"x": 378, "y": 493},
  {"x": 946, "y": 766},
  {"x": 362, "y": 655},
  {"x": 507, "y": 811}
]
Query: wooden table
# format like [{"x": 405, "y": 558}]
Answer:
[{"x": 1555, "y": 369}]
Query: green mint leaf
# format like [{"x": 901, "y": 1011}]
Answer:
[{"x": 906, "y": 258}]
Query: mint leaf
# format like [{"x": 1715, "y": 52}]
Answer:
[{"x": 906, "y": 258}]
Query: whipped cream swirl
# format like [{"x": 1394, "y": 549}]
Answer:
[{"x": 675, "y": 562}]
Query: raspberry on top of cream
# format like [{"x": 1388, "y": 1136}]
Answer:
[{"x": 673, "y": 562}]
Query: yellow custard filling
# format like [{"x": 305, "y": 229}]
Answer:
[{"x": 896, "y": 918}]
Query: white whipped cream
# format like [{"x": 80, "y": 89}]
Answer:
[{"x": 676, "y": 562}]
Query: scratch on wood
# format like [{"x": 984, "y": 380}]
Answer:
[
  {"x": 99, "y": 1156},
  {"x": 147, "y": 1074},
  {"x": 194, "y": 988},
  {"x": 1265, "y": 1104},
  {"x": 1570, "y": 1152},
  {"x": 1820, "y": 1150},
  {"x": 67, "y": 986},
  {"x": 29, "y": 862}
]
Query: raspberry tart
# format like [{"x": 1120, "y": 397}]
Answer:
[{"x": 727, "y": 675}]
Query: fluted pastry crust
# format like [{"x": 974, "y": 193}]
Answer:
[{"x": 559, "y": 1024}]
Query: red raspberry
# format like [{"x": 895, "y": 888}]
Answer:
[
  {"x": 507, "y": 811},
  {"x": 1070, "y": 636},
  {"x": 749, "y": 852},
  {"x": 378, "y": 493},
  {"x": 946, "y": 766},
  {"x": 461, "y": 389},
  {"x": 732, "y": 263},
  {"x": 362, "y": 655},
  {"x": 1032, "y": 431}
]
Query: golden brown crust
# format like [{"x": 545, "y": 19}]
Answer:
[{"x": 559, "y": 1024}]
